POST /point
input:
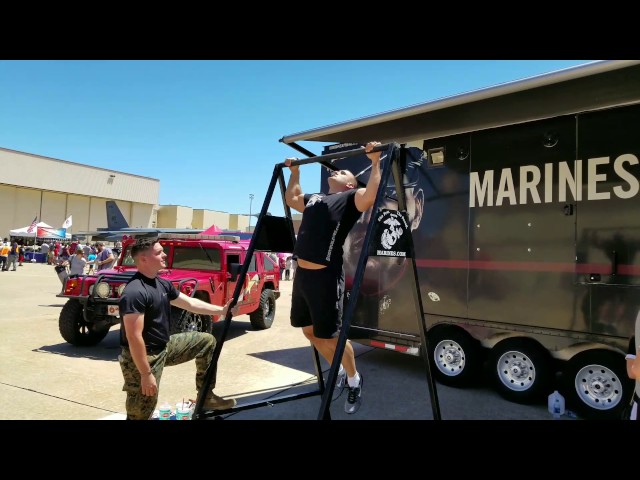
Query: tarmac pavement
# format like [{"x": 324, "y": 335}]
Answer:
[{"x": 53, "y": 380}]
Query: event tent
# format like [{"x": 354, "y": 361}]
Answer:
[
  {"x": 42, "y": 231},
  {"x": 212, "y": 230}
]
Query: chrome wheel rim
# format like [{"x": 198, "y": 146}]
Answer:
[
  {"x": 516, "y": 370},
  {"x": 598, "y": 387},
  {"x": 449, "y": 358}
]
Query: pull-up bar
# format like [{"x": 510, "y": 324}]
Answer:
[
  {"x": 338, "y": 155},
  {"x": 331, "y": 156}
]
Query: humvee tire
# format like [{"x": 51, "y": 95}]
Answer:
[
  {"x": 262, "y": 317},
  {"x": 75, "y": 330},
  {"x": 184, "y": 321}
]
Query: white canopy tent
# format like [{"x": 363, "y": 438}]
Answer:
[
  {"x": 45, "y": 231},
  {"x": 22, "y": 232}
]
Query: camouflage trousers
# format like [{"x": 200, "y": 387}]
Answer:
[{"x": 182, "y": 347}]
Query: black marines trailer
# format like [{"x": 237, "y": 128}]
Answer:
[{"x": 524, "y": 206}]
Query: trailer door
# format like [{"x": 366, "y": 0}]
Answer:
[
  {"x": 608, "y": 219},
  {"x": 442, "y": 254},
  {"x": 521, "y": 234}
]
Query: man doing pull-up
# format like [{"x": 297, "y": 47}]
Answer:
[{"x": 318, "y": 286}]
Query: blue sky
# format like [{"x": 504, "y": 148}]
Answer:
[{"x": 209, "y": 130}]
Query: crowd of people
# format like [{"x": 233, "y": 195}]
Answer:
[
  {"x": 11, "y": 254},
  {"x": 76, "y": 257}
]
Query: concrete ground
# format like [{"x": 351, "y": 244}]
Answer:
[{"x": 53, "y": 380}]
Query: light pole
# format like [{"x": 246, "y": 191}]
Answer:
[{"x": 250, "y": 202}]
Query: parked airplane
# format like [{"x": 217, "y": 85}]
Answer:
[{"x": 117, "y": 226}]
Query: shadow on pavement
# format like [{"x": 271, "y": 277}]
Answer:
[{"x": 108, "y": 349}]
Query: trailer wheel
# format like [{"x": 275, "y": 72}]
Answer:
[
  {"x": 521, "y": 369},
  {"x": 75, "y": 329},
  {"x": 456, "y": 356},
  {"x": 595, "y": 384},
  {"x": 262, "y": 317},
  {"x": 185, "y": 321}
]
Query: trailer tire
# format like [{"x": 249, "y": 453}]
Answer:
[
  {"x": 185, "y": 321},
  {"x": 75, "y": 329},
  {"x": 456, "y": 356},
  {"x": 595, "y": 384},
  {"x": 262, "y": 317},
  {"x": 520, "y": 369}
]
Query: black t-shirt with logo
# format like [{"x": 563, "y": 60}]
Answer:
[
  {"x": 150, "y": 296},
  {"x": 326, "y": 222}
]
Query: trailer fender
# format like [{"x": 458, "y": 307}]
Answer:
[
  {"x": 567, "y": 353},
  {"x": 491, "y": 341}
]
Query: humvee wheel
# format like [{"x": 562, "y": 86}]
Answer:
[
  {"x": 184, "y": 321},
  {"x": 262, "y": 317},
  {"x": 75, "y": 330}
]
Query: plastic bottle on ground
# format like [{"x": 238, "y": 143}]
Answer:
[{"x": 556, "y": 404}]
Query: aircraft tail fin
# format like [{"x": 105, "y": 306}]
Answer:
[{"x": 115, "y": 219}]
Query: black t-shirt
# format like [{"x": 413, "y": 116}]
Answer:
[
  {"x": 150, "y": 296},
  {"x": 326, "y": 221}
]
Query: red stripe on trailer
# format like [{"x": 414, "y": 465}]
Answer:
[{"x": 578, "y": 268}]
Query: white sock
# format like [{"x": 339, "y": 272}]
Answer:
[
  {"x": 341, "y": 371},
  {"x": 354, "y": 381}
]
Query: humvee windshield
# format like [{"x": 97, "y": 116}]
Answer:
[
  {"x": 187, "y": 258},
  {"x": 190, "y": 258}
]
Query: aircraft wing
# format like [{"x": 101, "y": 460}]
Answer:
[
  {"x": 116, "y": 235},
  {"x": 104, "y": 235}
]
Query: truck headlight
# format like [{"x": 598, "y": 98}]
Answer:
[
  {"x": 103, "y": 290},
  {"x": 120, "y": 289}
]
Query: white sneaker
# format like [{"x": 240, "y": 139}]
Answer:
[{"x": 354, "y": 398}]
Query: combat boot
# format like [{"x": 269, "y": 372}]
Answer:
[{"x": 214, "y": 402}]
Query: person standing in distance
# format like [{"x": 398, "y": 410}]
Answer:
[
  {"x": 104, "y": 258},
  {"x": 318, "y": 286},
  {"x": 147, "y": 346}
]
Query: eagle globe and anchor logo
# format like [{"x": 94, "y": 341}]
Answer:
[
  {"x": 392, "y": 232},
  {"x": 392, "y": 235},
  {"x": 391, "y": 240}
]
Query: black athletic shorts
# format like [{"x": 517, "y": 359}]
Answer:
[{"x": 317, "y": 299}]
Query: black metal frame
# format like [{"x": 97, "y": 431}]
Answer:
[{"x": 395, "y": 153}]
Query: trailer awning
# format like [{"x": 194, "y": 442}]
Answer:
[{"x": 592, "y": 86}]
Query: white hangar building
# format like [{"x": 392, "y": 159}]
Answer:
[{"x": 52, "y": 189}]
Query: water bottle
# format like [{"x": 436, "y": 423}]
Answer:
[
  {"x": 556, "y": 404},
  {"x": 164, "y": 413}
]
